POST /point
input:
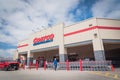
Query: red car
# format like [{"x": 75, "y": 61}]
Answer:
[{"x": 9, "y": 65}]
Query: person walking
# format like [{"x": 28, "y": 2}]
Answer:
[{"x": 55, "y": 64}]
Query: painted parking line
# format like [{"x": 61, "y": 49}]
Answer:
[
  {"x": 108, "y": 74},
  {"x": 116, "y": 76}
]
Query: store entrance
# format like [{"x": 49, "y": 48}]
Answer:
[
  {"x": 84, "y": 52},
  {"x": 46, "y": 56},
  {"x": 41, "y": 60},
  {"x": 112, "y": 52},
  {"x": 73, "y": 57}
]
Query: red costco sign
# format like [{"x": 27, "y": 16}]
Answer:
[{"x": 44, "y": 39}]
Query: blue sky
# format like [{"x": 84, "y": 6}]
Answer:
[{"x": 19, "y": 18}]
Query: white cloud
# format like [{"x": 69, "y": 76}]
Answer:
[
  {"x": 6, "y": 53},
  {"x": 107, "y": 9},
  {"x": 115, "y": 14},
  {"x": 24, "y": 16}
]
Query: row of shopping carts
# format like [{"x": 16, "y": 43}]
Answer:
[{"x": 83, "y": 66}]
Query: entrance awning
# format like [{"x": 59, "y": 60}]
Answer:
[
  {"x": 79, "y": 43},
  {"x": 45, "y": 49}
]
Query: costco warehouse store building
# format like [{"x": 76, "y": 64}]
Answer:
[{"x": 92, "y": 39}]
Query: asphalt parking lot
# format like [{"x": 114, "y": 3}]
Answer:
[{"x": 40, "y": 74}]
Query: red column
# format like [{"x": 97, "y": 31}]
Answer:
[
  {"x": 44, "y": 65},
  {"x": 67, "y": 65},
  {"x": 36, "y": 65},
  {"x": 80, "y": 65}
]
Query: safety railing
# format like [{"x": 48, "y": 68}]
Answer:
[{"x": 82, "y": 66}]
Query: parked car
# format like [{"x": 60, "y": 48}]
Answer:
[{"x": 8, "y": 65}]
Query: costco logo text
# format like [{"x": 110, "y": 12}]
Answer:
[{"x": 44, "y": 39}]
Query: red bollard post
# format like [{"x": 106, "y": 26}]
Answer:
[
  {"x": 19, "y": 65},
  {"x": 24, "y": 66},
  {"x": 80, "y": 65},
  {"x": 112, "y": 67},
  {"x": 44, "y": 65},
  {"x": 30, "y": 65},
  {"x": 36, "y": 65},
  {"x": 67, "y": 65}
]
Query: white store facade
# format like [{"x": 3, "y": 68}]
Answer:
[{"x": 95, "y": 38}]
